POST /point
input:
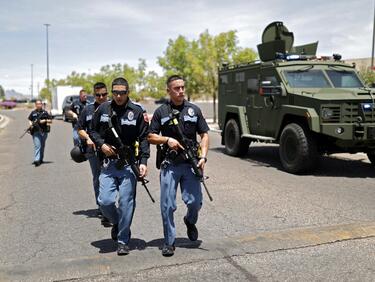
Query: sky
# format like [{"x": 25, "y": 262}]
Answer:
[{"x": 87, "y": 34}]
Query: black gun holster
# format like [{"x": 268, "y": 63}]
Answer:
[{"x": 160, "y": 155}]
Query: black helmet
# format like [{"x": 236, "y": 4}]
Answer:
[{"x": 77, "y": 155}]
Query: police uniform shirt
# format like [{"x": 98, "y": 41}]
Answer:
[
  {"x": 129, "y": 122},
  {"x": 84, "y": 120},
  {"x": 42, "y": 114},
  {"x": 191, "y": 121},
  {"x": 77, "y": 108}
]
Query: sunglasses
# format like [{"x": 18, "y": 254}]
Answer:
[
  {"x": 101, "y": 95},
  {"x": 118, "y": 92}
]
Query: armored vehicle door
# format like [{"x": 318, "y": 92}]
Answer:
[
  {"x": 254, "y": 103},
  {"x": 271, "y": 104}
]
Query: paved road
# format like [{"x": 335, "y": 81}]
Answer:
[{"x": 263, "y": 225}]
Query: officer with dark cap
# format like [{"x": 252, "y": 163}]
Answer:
[
  {"x": 175, "y": 169},
  {"x": 83, "y": 126},
  {"x": 39, "y": 121},
  {"x": 75, "y": 110},
  {"x": 125, "y": 119}
]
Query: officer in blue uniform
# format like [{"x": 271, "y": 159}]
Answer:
[
  {"x": 84, "y": 125},
  {"x": 174, "y": 168},
  {"x": 76, "y": 109},
  {"x": 39, "y": 120},
  {"x": 129, "y": 123}
]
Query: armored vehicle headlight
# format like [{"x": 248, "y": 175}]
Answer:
[
  {"x": 339, "y": 130},
  {"x": 326, "y": 113}
]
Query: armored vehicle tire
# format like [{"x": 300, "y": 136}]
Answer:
[
  {"x": 298, "y": 150},
  {"x": 234, "y": 144},
  {"x": 371, "y": 157}
]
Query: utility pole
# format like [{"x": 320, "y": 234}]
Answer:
[
  {"x": 32, "y": 82},
  {"x": 373, "y": 42},
  {"x": 47, "y": 25}
]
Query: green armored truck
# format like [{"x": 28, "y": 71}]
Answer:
[{"x": 309, "y": 105}]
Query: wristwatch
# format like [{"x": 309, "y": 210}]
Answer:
[{"x": 204, "y": 158}]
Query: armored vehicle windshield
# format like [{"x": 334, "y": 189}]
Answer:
[{"x": 316, "y": 78}]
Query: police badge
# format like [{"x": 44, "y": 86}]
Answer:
[
  {"x": 191, "y": 112},
  {"x": 130, "y": 116}
]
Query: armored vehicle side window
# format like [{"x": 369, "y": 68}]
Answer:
[
  {"x": 253, "y": 85},
  {"x": 272, "y": 79},
  {"x": 307, "y": 79},
  {"x": 240, "y": 77},
  {"x": 224, "y": 79},
  {"x": 344, "y": 79}
]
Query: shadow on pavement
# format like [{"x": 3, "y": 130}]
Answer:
[
  {"x": 92, "y": 213},
  {"x": 180, "y": 243},
  {"x": 268, "y": 156},
  {"x": 110, "y": 246},
  {"x": 44, "y": 163}
]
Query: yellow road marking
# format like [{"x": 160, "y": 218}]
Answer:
[{"x": 315, "y": 235}]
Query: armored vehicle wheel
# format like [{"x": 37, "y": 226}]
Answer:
[
  {"x": 234, "y": 144},
  {"x": 298, "y": 150},
  {"x": 371, "y": 157}
]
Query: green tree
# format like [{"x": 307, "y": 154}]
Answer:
[
  {"x": 154, "y": 85},
  {"x": 368, "y": 76},
  {"x": 177, "y": 59},
  {"x": 198, "y": 61},
  {"x": 244, "y": 55},
  {"x": 2, "y": 92},
  {"x": 45, "y": 94}
]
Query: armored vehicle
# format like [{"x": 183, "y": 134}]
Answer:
[{"x": 309, "y": 105}]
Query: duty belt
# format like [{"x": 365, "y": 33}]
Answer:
[
  {"x": 174, "y": 157},
  {"x": 107, "y": 160}
]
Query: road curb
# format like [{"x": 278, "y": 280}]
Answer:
[{"x": 4, "y": 120}]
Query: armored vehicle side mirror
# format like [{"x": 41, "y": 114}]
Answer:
[{"x": 267, "y": 89}]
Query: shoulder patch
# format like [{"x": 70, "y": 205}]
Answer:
[{"x": 140, "y": 105}]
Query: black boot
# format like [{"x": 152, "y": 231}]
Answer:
[
  {"x": 105, "y": 222},
  {"x": 114, "y": 232},
  {"x": 122, "y": 249},
  {"x": 192, "y": 231},
  {"x": 168, "y": 250}
]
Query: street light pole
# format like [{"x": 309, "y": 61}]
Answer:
[
  {"x": 373, "y": 42},
  {"x": 32, "y": 82},
  {"x": 47, "y": 25}
]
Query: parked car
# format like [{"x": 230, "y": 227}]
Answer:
[
  {"x": 7, "y": 104},
  {"x": 161, "y": 100},
  {"x": 68, "y": 102}
]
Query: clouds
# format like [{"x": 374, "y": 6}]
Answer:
[{"x": 87, "y": 34}]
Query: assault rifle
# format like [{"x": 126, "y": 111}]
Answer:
[
  {"x": 189, "y": 152},
  {"x": 126, "y": 156},
  {"x": 34, "y": 123}
]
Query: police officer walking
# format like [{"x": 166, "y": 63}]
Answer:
[
  {"x": 39, "y": 121},
  {"x": 175, "y": 169},
  {"x": 125, "y": 119},
  {"x": 83, "y": 126},
  {"x": 76, "y": 109}
]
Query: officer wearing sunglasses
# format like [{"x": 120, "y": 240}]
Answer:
[
  {"x": 84, "y": 123},
  {"x": 119, "y": 182}
]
